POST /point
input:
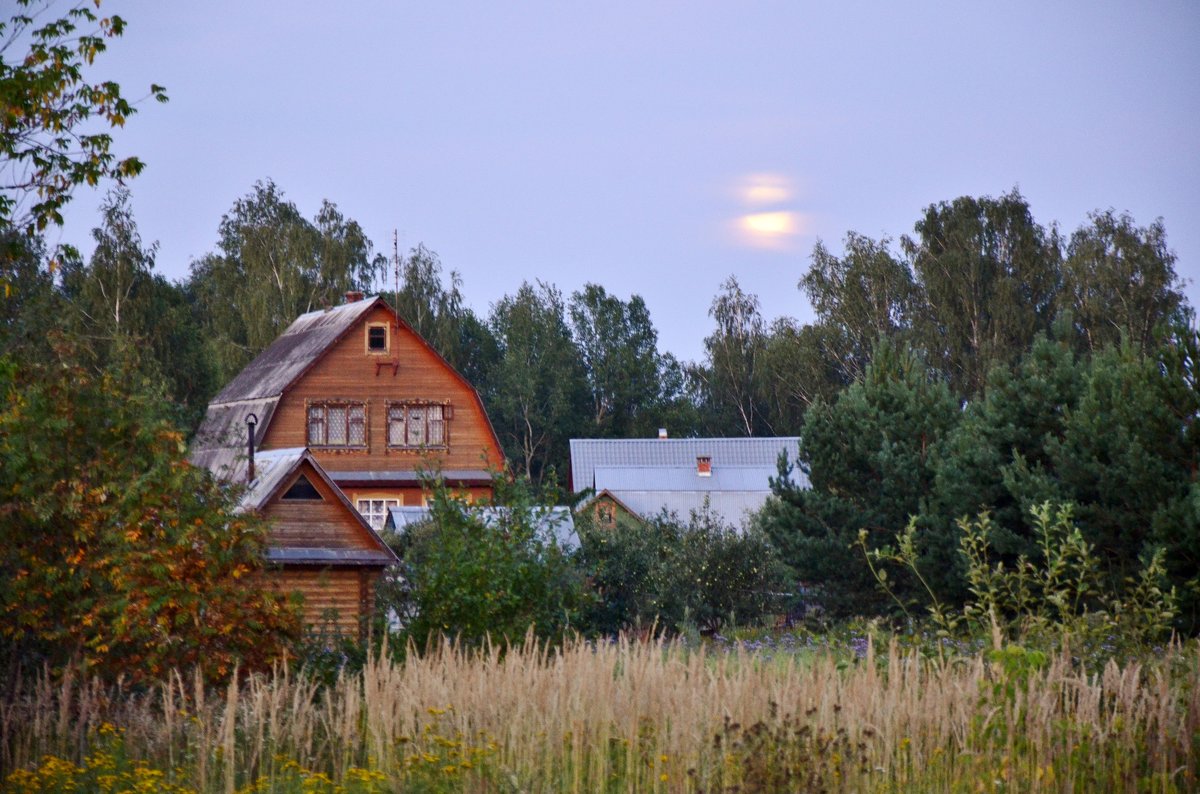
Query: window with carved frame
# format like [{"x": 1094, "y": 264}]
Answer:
[
  {"x": 337, "y": 423},
  {"x": 418, "y": 425}
]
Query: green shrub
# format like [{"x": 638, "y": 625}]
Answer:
[
  {"x": 700, "y": 573},
  {"x": 1058, "y": 598},
  {"x": 469, "y": 576}
]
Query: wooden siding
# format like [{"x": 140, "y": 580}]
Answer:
[
  {"x": 327, "y": 524},
  {"x": 348, "y": 371},
  {"x": 335, "y": 599},
  {"x": 413, "y": 497}
]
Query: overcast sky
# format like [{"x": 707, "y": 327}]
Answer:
[{"x": 654, "y": 148}]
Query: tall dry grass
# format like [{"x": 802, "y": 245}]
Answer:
[{"x": 633, "y": 716}]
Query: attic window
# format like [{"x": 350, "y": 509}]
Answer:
[
  {"x": 377, "y": 338},
  {"x": 302, "y": 491}
]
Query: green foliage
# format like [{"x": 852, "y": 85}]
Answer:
[
  {"x": 1055, "y": 599},
  {"x": 677, "y": 575},
  {"x": 538, "y": 393},
  {"x": 869, "y": 459},
  {"x": 127, "y": 312},
  {"x": 273, "y": 266},
  {"x": 114, "y": 551},
  {"x": 989, "y": 275},
  {"x": 471, "y": 575},
  {"x": 1119, "y": 281},
  {"x": 861, "y": 298},
  {"x": 731, "y": 375},
  {"x": 48, "y": 142},
  {"x": 619, "y": 348}
]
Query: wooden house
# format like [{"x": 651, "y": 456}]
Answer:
[
  {"x": 319, "y": 545},
  {"x": 376, "y": 405}
]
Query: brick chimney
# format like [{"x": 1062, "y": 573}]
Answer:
[
  {"x": 662, "y": 433},
  {"x": 353, "y": 296},
  {"x": 703, "y": 465}
]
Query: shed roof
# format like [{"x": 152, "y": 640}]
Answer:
[{"x": 589, "y": 453}]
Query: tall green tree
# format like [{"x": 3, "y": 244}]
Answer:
[
  {"x": 619, "y": 347},
  {"x": 1119, "y": 279},
  {"x": 50, "y": 141},
  {"x": 868, "y": 455},
  {"x": 860, "y": 298},
  {"x": 993, "y": 458},
  {"x": 30, "y": 305},
  {"x": 121, "y": 310},
  {"x": 731, "y": 374},
  {"x": 538, "y": 394},
  {"x": 433, "y": 306},
  {"x": 273, "y": 266},
  {"x": 989, "y": 277},
  {"x": 795, "y": 371}
]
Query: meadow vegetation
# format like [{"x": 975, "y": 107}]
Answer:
[{"x": 626, "y": 716}]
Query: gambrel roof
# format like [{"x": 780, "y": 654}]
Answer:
[{"x": 220, "y": 442}]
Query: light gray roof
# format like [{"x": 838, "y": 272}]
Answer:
[
  {"x": 684, "y": 478},
  {"x": 221, "y": 439},
  {"x": 555, "y": 520},
  {"x": 731, "y": 506},
  {"x": 588, "y": 453},
  {"x": 271, "y": 468},
  {"x": 220, "y": 443},
  {"x": 296, "y": 349}
]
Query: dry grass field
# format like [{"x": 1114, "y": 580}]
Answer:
[{"x": 626, "y": 716}]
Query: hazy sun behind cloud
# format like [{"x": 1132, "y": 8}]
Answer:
[
  {"x": 773, "y": 227},
  {"x": 761, "y": 189}
]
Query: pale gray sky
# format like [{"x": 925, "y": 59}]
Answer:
[{"x": 621, "y": 142}]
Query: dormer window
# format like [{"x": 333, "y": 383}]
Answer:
[{"x": 377, "y": 338}]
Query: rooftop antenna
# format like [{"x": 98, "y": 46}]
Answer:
[{"x": 396, "y": 274}]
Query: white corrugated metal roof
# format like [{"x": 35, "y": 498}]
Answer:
[
  {"x": 684, "y": 478},
  {"x": 588, "y": 453}
]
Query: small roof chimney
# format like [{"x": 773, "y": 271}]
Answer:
[
  {"x": 353, "y": 296},
  {"x": 662, "y": 432},
  {"x": 251, "y": 423},
  {"x": 704, "y": 465}
]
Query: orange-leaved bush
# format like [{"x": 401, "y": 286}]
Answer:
[{"x": 115, "y": 552}]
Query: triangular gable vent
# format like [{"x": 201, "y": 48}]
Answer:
[{"x": 302, "y": 489}]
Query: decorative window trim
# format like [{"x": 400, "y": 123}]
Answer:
[
  {"x": 387, "y": 339},
  {"x": 433, "y": 432},
  {"x": 322, "y": 419}
]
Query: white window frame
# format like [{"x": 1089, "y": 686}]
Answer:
[{"x": 375, "y": 510}]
